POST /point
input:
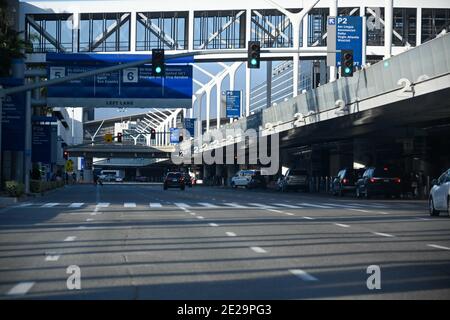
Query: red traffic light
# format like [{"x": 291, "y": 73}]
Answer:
[{"x": 66, "y": 155}]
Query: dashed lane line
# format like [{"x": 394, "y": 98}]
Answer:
[
  {"x": 231, "y": 234},
  {"x": 258, "y": 250},
  {"x": 383, "y": 234},
  {"x": 21, "y": 288},
  {"x": 342, "y": 225},
  {"x": 70, "y": 238},
  {"x": 438, "y": 246},
  {"x": 213, "y": 224},
  {"x": 305, "y": 276}
]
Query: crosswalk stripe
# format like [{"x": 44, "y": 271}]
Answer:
[
  {"x": 50, "y": 205},
  {"x": 76, "y": 205},
  {"x": 155, "y": 205},
  {"x": 129, "y": 205},
  {"x": 182, "y": 205},
  {"x": 260, "y": 205},
  {"x": 305, "y": 276},
  {"x": 287, "y": 205},
  {"x": 23, "y": 205},
  {"x": 315, "y": 205},
  {"x": 235, "y": 205},
  {"x": 207, "y": 204},
  {"x": 103, "y": 204}
]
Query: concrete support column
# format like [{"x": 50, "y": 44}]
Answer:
[
  {"x": 388, "y": 27},
  {"x": 333, "y": 13},
  {"x": 269, "y": 84},
  {"x": 248, "y": 75},
  {"x": 419, "y": 27},
  {"x": 218, "y": 102},
  {"x": 208, "y": 108},
  {"x": 133, "y": 27},
  {"x": 27, "y": 153},
  {"x": 190, "y": 36}
]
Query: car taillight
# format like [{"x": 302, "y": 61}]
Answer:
[
  {"x": 344, "y": 181},
  {"x": 373, "y": 180},
  {"x": 398, "y": 180}
]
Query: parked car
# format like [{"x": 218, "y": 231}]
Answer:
[
  {"x": 345, "y": 181},
  {"x": 440, "y": 195},
  {"x": 379, "y": 181},
  {"x": 141, "y": 179},
  {"x": 294, "y": 179},
  {"x": 174, "y": 180},
  {"x": 248, "y": 179}
]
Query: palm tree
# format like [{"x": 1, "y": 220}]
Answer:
[{"x": 12, "y": 45}]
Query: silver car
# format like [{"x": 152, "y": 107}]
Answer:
[{"x": 440, "y": 195}]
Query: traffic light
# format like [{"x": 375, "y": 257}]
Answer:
[
  {"x": 254, "y": 52},
  {"x": 158, "y": 66},
  {"x": 119, "y": 137},
  {"x": 347, "y": 63},
  {"x": 66, "y": 154},
  {"x": 152, "y": 134}
]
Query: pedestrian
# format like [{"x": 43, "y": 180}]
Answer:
[{"x": 74, "y": 177}]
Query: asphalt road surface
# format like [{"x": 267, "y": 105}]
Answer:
[{"x": 140, "y": 242}]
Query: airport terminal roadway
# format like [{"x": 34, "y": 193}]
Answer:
[{"x": 140, "y": 242}]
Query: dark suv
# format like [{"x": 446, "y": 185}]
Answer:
[
  {"x": 345, "y": 181},
  {"x": 379, "y": 181},
  {"x": 294, "y": 179},
  {"x": 174, "y": 180}
]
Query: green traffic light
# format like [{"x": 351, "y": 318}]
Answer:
[
  {"x": 254, "y": 62},
  {"x": 347, "y": 70},
  {"x": 158, "y": 69}
]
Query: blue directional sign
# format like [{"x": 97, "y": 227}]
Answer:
[
  {"x": 13, "y": 117},
  {"x": 189, "y": 125},
  {"x": 233, "y": 103},
  {"x": 174, "y": 135},
  {"x": 135, "y": 87},
  {"x": 43, "y": 136},
  {"x": 349, "y": 37}
]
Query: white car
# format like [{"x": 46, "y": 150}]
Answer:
[
  {"x": 440, "y": 195},
  {"x": 242, "y": 178}
]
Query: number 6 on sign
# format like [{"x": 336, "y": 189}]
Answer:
[{"x": 130, "y": 75}]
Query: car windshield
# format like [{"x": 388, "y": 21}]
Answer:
[{"x": 173, "y": 175}]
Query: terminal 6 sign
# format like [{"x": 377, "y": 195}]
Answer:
[{"x": 131, "y": 87}]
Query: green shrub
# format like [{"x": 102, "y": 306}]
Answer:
[
  {"x": 38, "y": 186},
  {"x": 14, "y": 188}
]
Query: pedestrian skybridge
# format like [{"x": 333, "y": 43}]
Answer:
[{"x": 411, "y": 87}]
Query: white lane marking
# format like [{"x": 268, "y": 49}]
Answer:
[
  {"x": 88, "y": 220},
  {"x": 155, "y": 205},
  {"x": 200, "y": 217},
  {"x": 258, "y": 249},
  {"x": 308, "y": 218},
  {"x": 208, "y": 205},
  {"x": 50, "y": 205},
  {"x": 20, "y": 288},
  {"x": 289, "y": 214},
  {"x": 182, "y": 205},
  {"x": 383, "y": 234},
  {"x": 129, "y": 205},
  {"x": 424, "y": 219},
  {"x": 305, "y": 276},
  {"x": 438, "y": 247},
  {"x": 342, "y": 225},
  {"x": 287, "y": 206},
  {"x": 103, "y": 204},
  {"x": 260, "y": 205},
  {"x": 371, "y": 205},
  {"x": 52, "y": 257},
  {"x": 231, "y": 234},
  {"x": 76, "y": 205},
  {"x": 23, "y": 205},
  {"x": 274, "y": 210},
  {"x": 71, "y": 238},
  {"x": 192, "y": 213},
  {"x": 338, "y": 205},
  {"x": 360, "y": 210},
  {"x": 315, "y": 205},
  {"x": 382, "y": 212},
  {"x": 213, "y": 224},
  {"x": 235, "y": 205}
]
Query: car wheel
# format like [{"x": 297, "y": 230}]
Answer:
[
  {"x": 358, "y": 194},
  {"x": 433, "y": 211},
  {"x": 367, "y": 195},
  {"x": 233, "y": 185}
]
